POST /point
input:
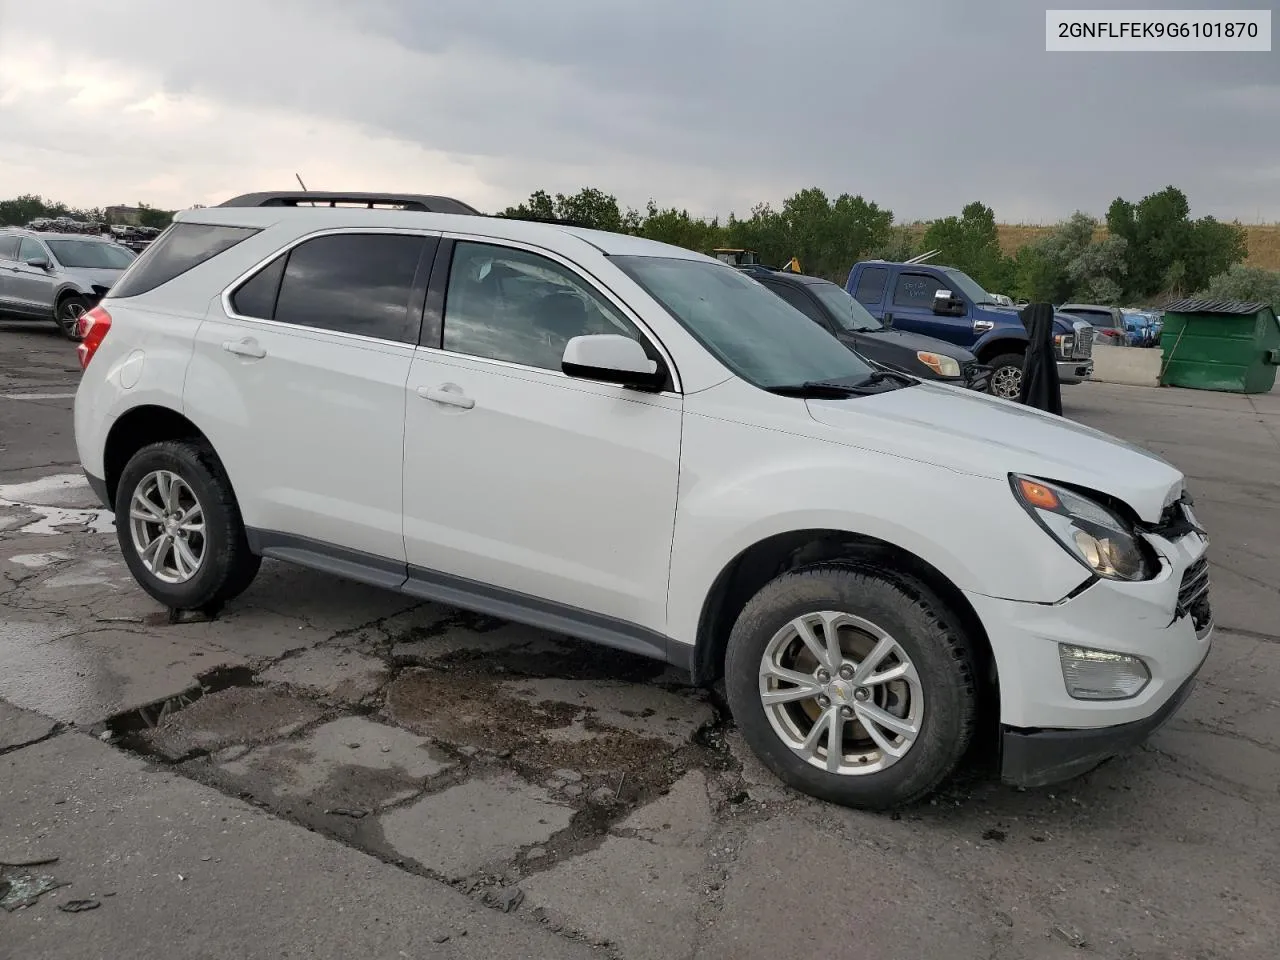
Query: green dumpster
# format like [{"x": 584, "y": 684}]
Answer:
[{"x": 1225, "y": 345}]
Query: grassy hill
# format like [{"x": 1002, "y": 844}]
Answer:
[{"x": 1263, "y": 239}]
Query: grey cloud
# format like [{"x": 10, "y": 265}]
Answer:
[{"x": 921, "y": 105}]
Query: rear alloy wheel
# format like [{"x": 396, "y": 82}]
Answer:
[
  {"x": 166, "y": 522},
  {"x": 68, "y": 314},
  {"x": 1006, "y": 376},
  {"x": 180, "y": 529},
  {"x": 852, "y": 685}
]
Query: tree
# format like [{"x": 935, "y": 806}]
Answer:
[
  {"x": 971, "y": 242},
  {"x": 1240, "y": 282},
  {"x": 827, "y": 236},
  {"x": 1166, "y": 250},
  {"x": 677, "y": 227},
  {"x": 588, "y": 207},
  {"x": 152, "y": 217},
  {"x": 1097, "y": 271},
  {"x": 901, "y": 245},
  {"x": 23, "y": 209}
]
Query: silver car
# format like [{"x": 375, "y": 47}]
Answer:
[{"x": 56, "y": 276}]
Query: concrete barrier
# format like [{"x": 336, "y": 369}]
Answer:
[{"x": 1136, "y": 366}]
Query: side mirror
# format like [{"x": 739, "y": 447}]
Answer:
[
  {"x": 612, "y": 358},
  {"x": 40, "y": 263},
  {"x": 947, "y": 304}
]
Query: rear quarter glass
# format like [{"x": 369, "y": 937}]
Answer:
[{"x": 180, "y": 248}]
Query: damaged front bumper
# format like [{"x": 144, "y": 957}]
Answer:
[{"x": 1047, "y": 735}]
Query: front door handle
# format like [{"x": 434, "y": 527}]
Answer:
[
  {"x": 447, "y": 393},
  {"x": 248, "y": 347}
]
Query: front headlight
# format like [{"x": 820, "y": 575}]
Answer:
[
  {"x": 1064, "y": 343},
  {"x": 1096, "y": 536},
  {"x": 943, "y": 366}
]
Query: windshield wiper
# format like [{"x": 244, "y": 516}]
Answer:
[
  {"x": 834, "y": 390},
  {"x": 820, "y": 389},
  {"x": 880, "y": 376}
]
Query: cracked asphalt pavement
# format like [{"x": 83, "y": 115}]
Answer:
[{"x": 327, "y": 770}]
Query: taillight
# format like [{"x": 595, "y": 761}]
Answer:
[{"x": 92, "y": 328}]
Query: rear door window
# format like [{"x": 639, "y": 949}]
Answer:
[
  {"x": 8, "y": 248},
  {"x": 180, "y": 248},
  {"x": 871, "y": 283},
  {"x": 358, "y": 283}
]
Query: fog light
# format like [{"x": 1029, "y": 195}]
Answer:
[{"x": 1100, "y": 674}]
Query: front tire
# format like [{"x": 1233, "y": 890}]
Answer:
[
  {"x": 852, "y": 686},
  {"x": 1006, "y": 376},
  {"x": 179, "y": 527},
  {"x": 67, "y": 314}
]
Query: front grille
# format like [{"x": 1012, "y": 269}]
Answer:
[
  {"x": 1084, "y": 342},
  {"x": 1195, "y": 584},
  {"x": 1193, "y": 596}
]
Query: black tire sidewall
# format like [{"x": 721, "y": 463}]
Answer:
[
  {"x": 221, "y": 527},
  {"x": 904, "y": 610}
]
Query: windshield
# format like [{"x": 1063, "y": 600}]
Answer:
[
  {"x": 968, "y": 286},
  {"x": 91, "y": 254},
  {"x": 753, "y": 332},
  {"x": 849, "y": 313}
]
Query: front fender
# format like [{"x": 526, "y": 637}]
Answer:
[
  {"x": 77, "y": 288},
  {"x": 1016, "y": 338},
  {"x": 731, "y": 497}
]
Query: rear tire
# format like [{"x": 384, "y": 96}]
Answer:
[
  {"x": 922, "y": 686},
  {"x": 179, "y": 527},
  {"x": 1006, "y": 375},
  {"x": 67, "y": 315}
]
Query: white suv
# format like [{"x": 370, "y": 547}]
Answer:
[{"x": 638, "y": 445}]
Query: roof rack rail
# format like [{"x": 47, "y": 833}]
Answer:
[
  {"x": 312, "y": 198},
  {"x": 535, "y": 218}
]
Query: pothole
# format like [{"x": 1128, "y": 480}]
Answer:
[{"x": 127, "y": 729}]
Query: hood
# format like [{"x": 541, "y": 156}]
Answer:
[
  {"x": 914, "y": 341},
  {"x": 982, "y": 435},
  {"x": 89, "y": 276}
]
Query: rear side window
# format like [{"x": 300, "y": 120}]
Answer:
[
  {"x": 800, "y": 300},
  {"x": 871, "y": 285},
  {"x": 8, "y": 248},
  {"x": 180, "y": 248},
  {"x": 352, "y": 283},
  {"x": 1098, "y": 318}
]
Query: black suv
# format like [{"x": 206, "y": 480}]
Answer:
[{"x": 829, "y": 306}]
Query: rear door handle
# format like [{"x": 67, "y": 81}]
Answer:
[
  {"x": 447, "y": 393},
  {"x": 248, "y": 347}
]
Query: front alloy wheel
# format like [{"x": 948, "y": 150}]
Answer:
[
  {"x": 166, "y": 522},
  {"x": 841, "y": 693},
  {"x": 853, "y": 683},
  {"x": 70, "y": 310},
  {"x": 1006, "y": 376}
]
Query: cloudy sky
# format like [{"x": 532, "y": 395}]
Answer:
[{"x": 920, "y": 105}]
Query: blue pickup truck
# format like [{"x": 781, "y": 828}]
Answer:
[{"x": 947, "y": 303}]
